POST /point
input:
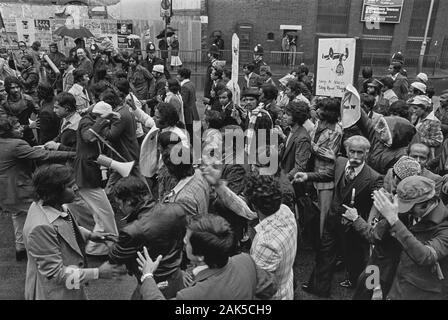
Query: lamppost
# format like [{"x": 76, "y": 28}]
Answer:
[
  {"x": 424, "y": 44},
  {"x": 166, "y": 11}
]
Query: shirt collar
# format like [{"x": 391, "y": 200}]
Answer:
[
  {"x": 199, "y": 269},
  {"x": 73, "y": 121},
  {"x": 430, "y": 116},
  {"x": 269, "y": 219},
  {"x": 357, "y": 169},
  {"x": 51, "y": 213},
  {"x": 184, "y": 82}
]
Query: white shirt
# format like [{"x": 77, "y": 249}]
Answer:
[
  {"x": 199, "y": 269},
  {"x": 184, "y": 82}
]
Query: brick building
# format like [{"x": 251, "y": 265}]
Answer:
[{"x": 260, "y": 21}]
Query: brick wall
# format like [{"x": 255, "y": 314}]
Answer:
[{"x": 267, "y": 16}]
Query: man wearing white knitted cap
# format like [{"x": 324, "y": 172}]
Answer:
[
  {"x": 423, "y": 77},
  {"x": 88, "y": 176},
  {"x": 417, "y": 89}
]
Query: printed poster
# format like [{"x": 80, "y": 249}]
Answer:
[
  {"x": 335, "y": 66},
  {"x": 26, "y": 31},
  {"x": 124, "y": 29},
  {"x": 43, "y": 32}
]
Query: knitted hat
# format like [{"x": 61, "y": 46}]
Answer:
[
  {"x": 158, "y": 68},
  {"x": 419, "y": 86},
  {"x": 406, "y": 167}
]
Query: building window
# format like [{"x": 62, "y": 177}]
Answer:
[
  {"x": 333, "y": 16},
  {"x": 371, "y": 46},
  {"x": 270, "y": 36},
  {"x": 420, "y": 17}
]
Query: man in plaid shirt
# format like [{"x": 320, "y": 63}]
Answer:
[{"x": 275, "y": 244}]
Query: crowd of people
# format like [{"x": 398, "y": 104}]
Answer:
[{"x": 98, "y": 159}]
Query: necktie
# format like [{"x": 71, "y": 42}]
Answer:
[
  {"x": 79, "y": 239},
  {"x": 350, "y": 173}
]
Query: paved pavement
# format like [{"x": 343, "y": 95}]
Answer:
[{"x": 12, "y": 274}]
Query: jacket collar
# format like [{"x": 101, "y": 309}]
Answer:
[
  {"x": 433, "y": 219},
  {"x": 207, "y": 273}
]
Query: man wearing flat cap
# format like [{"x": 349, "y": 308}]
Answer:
[{"x": 423, "y": 266}]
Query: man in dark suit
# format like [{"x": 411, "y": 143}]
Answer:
[
  {"x": 65, "y": 109},
  {"x": 354, "y": 183},
  {"x": 297, "y": 151},
  {"x": 213, "y": 56},
  {"x": 217, "y": 276},
  {"x": 188, "y": 92},
  {"x": 401, "y": 84}
]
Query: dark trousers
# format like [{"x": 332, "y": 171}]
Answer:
[{"x": 354, "y": 250}]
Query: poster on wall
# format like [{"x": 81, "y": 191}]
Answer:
[
  {"x": 383, "y": 11},
  {"x": 43, "y": 32},
  {"x": 335, "y": 66},
  {"x": 25, "y": 30},
  {"x": 124, "y": 29}
]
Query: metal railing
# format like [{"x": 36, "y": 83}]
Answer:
[
  {"x": 430, "y": 62},
  {"x": 195, "y": 59}
]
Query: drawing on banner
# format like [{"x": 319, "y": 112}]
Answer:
[
  {"x": 335, "y": 66},
  {"x": 337, "y": 56}
]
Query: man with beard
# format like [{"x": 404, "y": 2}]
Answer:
[
  {"x": 140, "y": 79},
  {"x": 84, "y": 63},
  {"x": 354, "y": 183},
  {"x": 159, "y": 93},
  {"x": 56, "y": 57},
  {"x": 21, "y": 106},
  {"x": 29, "y": 76},
  {"x": 98, "y": 61},
  {"x": 231, "y": 113}
]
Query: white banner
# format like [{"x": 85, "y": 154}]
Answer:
[
  {"x": 335, "y": 66},
  {"x": 350, "y": 107},
  {"x": 26, "y": 31},
  {"x": 235, "y": 68}
]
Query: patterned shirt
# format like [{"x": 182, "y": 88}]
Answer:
[
  {"x": 329, "y": 137},
  {"x": 430, "y": 131},
  {"x": 274, "y": 249}
]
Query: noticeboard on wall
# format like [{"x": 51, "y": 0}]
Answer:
[
  {"x": 382, "y": 11},
  {"x": 335, "y": 66}
]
